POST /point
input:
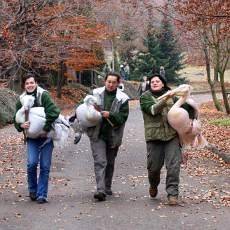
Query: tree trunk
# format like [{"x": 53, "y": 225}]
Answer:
[
  {"x": 80, "y": 80},
  {"x": 210, "y": 82},
  {"x": 113, "y": 54},
  {"x": 224, "y": 95},
  {"x": 216, "y": 75},
  {"x": 92, "y": 78},
  {"x": 60, "y": 79}
]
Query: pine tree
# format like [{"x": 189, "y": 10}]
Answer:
[
  {"x": 170, "y": 50},
  {"x": 161, "y": 50},
  {"x": 144, "y": 62}
]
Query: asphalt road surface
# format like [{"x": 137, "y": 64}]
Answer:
[{"x": 71, "y": 204}]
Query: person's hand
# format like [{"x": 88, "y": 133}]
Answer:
[
  {"x": 105, "y": 114},
  {"x": 25, "y": 125},
  {"x": 170, "y": 94}
]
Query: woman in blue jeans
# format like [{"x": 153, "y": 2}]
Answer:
[{"x": 39, "y": 150}]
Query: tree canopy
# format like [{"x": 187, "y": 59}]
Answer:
[
  {"x": 39, "y": 34},
  {"x": 161, "y": 49}
]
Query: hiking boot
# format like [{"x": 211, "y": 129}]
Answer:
[
  {"x": 100, "y": 196},
  {"x": 153, "y": 191},
  {"x": 41, "y": 200},
  {"x": 108, "y": 192},
  {"x": 33, "y": 196},
  {"x": 173, "y": 200}
]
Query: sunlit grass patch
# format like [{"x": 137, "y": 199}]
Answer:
[{"x": 221, "y": 122}]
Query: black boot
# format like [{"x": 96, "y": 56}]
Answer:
[
  {"x": 100, "y": 196},
  {"x": 33, "y": 196}
]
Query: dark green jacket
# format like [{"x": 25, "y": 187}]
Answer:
[
  {"x": 155, "y": 117},
  {"x": 43, "y": 99},
  {"x": 117, "y": 104}
]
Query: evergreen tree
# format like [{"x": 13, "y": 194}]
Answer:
[
  {"x": 161, "y": 50},
  {"x": 144, "y": 62},
  {"x": 170, "y": 50}
]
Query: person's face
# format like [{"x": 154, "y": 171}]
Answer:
[
  {"x": 156, "y": 84},
  {"x": 111, "y": 83},
  {"x": 30, "y": 85}
]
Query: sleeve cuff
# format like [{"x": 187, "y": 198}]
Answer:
[{"x": 157, "y": 107}]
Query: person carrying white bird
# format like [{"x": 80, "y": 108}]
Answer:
[
  {"x": 37, "y": 119},
  {"x": 105, "y": 131},
  {"x": 162, "y": 140},
  {"x": 187, "y": 125},
  {"x": 39, "y": 149}
]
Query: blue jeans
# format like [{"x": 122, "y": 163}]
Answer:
[{"x": 39, "y": 150}]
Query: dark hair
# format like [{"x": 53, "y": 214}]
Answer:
[
  {"x": 161, "y": 78},
  {"x": 154, "y": 69},
  {"x": 25, "y": 77},
  {"x": 114, "y": 74}
]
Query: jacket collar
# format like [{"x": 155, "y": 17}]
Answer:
[{"x": 119, "y": 95}]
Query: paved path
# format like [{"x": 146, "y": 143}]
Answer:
[
  {"x": 71, "y": 204},
  {"x": 204, "y": 97}
]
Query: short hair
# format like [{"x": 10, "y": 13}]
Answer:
[
  {"x": 162, "y": 79},
  {"x": 114, "y": 74},
  {"x": 27, "y": 76}
]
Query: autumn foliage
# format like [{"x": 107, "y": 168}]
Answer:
[
  {"x": 208, "y": 23},
  {"x": 38, "y": 34}
]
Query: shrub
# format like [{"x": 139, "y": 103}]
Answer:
[{"x": 8, "y": 100}]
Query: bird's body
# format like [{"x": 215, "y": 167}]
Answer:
[
  {"x": 189, "y": 130},
  {"x": 37, "y": 119},
  {"x": 86, "y": 113}
]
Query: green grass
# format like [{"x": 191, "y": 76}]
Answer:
[{"x": 221, "y": 122}]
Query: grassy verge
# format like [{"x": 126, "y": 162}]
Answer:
[{"x": 221, "y": 122}]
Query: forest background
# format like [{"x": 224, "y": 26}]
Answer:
[{"x": 68, "y": 43}]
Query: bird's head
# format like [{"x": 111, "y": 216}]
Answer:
[{"x": 28, "y": 101}]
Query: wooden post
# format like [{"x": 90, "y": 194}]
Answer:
[
  {"x": 80, "y": 77},
  {"x": 92, "y": 81},
  {"x": 60, "y": 79},
  {"x": 25, "y": 130}
]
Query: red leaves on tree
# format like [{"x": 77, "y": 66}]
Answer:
[{"x": 40, "y": 36}]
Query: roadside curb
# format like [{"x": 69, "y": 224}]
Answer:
[
  {"x": 207, "y": 91},
  {"x": 201, "y": 92},
  {"x": 215, "y": 150}
]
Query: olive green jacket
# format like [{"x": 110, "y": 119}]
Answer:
[{"x": 155, "y": 117}]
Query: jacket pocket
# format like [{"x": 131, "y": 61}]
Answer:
[{"x": 154, "y": 125}]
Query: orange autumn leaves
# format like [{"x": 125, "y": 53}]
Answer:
[{"x": 41, "y": 36}]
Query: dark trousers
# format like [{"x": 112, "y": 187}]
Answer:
[
  {"x": 104, "y": 160},
  {"x": 168, "y": 152}
]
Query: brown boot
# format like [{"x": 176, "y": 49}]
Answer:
[
  {"x": 173, "y": 200},
  {"x": 153, "y": 191}
]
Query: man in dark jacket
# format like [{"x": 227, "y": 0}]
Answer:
[{"x": 106, "y": 137}]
